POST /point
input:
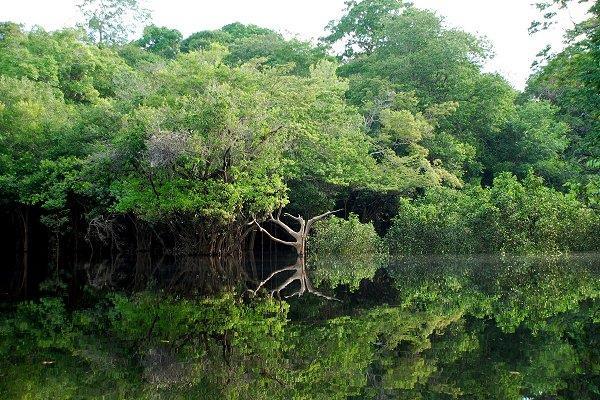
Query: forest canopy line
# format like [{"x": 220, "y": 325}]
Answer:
[{"x": 179, "y": 143}]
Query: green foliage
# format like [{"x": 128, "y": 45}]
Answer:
[
  {"x": 410, "y": 51},
  {"x": 511, "y": 216},
  {"x": 570, "y": 80},
  {"x": 228, "y": 137},
  {"x": 360, "y": 27},
  {"x": 418, "y": 53},
  {"x": 273, "y": 50},
  {"x": 226, "y": 35},
  {"x": 345, "y": 238},
  {"x": 562, "y": 82},
  {"x": 149, "y": 318},
  {"x": 533, "y": 140},
  {"x": 441, "y": 222},
  {"x": 160, "y": 40},
  {"x": 250, "y": 43},
  {"x": 33, "y": 119},
  {"x": 477, "y": 327},
  {"x": 202, "y": 135},
  {"x": 207, "y": 133},
  {"x": 44, "y": 324},
  {"x": 148, "y": 344},
  {"x": 344, "y": 252},
  {"x": 82, "y": 72}
]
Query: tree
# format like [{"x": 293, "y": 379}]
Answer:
[
  {"x": 361, "y": 27},
  {"x": 570, "y": 81},
  {"x": 533, "y": 139},
  {"x": 250, "y": 42},
  {"x": 110, "y": 22},
  {"x": 300, "y": 236},
  {"x": 211, "y": 156},
  {"x": 413, "y": 53},
  {"x": 227, "y": 35},
  {"x": 160, "y": 40},
  {"x": 511, "y": 216},
  {"x": 83, "y": 73}
]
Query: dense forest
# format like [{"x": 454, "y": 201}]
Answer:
[
  {"x": 165, "y": 144},
  {"x": 386, "y": 137},
  {"x": 177, "y": 145}
]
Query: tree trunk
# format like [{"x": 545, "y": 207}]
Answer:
[
  {"x": 21, "y": 284},
  {"x": 300, "y": 236},
  {"x": 143, "y": 260}
]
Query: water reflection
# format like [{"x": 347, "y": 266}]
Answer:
[
  {"x": 184, "y": 275},
  {"x": 446, "y": 327},
  {"x": 299, "y": 273}
]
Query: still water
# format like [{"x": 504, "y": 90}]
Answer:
[
  {"x": 485, "y": 327},
  {"x": 444, "y": 327}
]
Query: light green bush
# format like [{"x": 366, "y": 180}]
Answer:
[{"x": 511, "y": 216}]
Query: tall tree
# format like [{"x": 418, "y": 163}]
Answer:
[
  {"x": 361, "y": 27},
  {"x": 112, "y": 21},
  {"x": 571, "y": 80}
]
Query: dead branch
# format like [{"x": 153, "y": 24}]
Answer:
[
  {"x": 319, "y": 217},
  {"x": 278, "y": 222},
  {"x": 260, "y": 228}
]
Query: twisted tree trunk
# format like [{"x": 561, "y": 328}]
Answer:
[{"x": 300, "y": 236}]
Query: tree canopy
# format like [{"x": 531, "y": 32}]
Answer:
[{"x": 180, "y": 142}]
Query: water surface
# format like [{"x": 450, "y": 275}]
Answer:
[{"x": 442, "y": 327}]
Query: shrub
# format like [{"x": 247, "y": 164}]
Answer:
[
  {"x": 344, "y": 252},
  {"x": 348, "y": 238},
  {"x": 511, "y": 216}
]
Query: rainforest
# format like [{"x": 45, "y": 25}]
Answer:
[{"x": 241, "y": 214}]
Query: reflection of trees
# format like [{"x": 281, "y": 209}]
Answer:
[
  {"x": 203, "y": 275},
  {"x": 299, "y": 274},
  {"x": 338, "y": 271},
  {"x": 318, "y": 271},
  {"x": 513, "y": 290},
  {"x": 480, "y": 328},
  {"x": 477, "y": 328},
  {"x": 524, "y": 327},
  {"x": 185, "y": 275},
  {"x": 368, "y": 355}
]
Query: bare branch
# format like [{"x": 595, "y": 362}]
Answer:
[
  {"x": 298, "y": 218},
  {"x": 271, "y": 276},
  {"x": 273, "y": 237},
  {"x": 297, "y": 276},
  {"x": 319, "y": 217},
  {"x": 312, "y": 290},
  {"x": 301, "y": 275},
  {"x": 319, "y": 294},
  {"x": 284, "y": 226}
]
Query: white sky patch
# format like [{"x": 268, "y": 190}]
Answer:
[{"x": 503, "y": 22}]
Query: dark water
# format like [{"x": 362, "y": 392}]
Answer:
[
  {"x": 444, "y": 327},
  {"x": 429, "y": 327}
]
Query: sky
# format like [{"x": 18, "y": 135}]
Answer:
[{"x": 503, "y": 22}]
